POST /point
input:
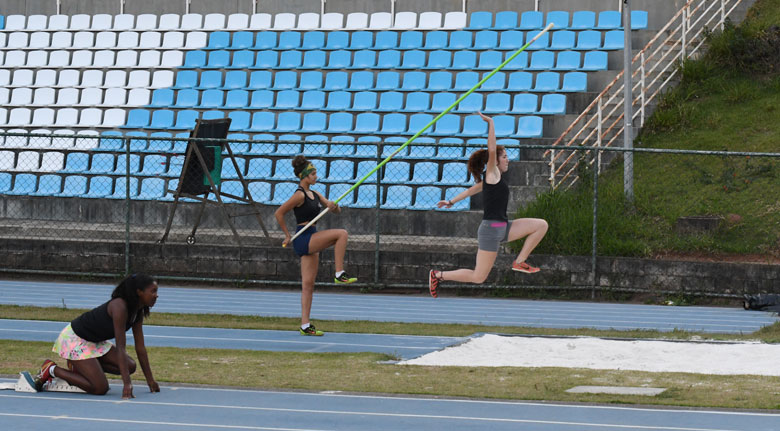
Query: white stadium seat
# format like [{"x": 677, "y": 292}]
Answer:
[
  {"x": 39, "y": 141},
  {"x": 5, "y": 77},
  {"x": 5, "y": 94},
  {"x": 52, "y": 160},
  {"x": 92, "y": 78},
  {"x": 124, "y": 21},
  {"x": 191, "y": 21},
  {"x": 45, "y": 78},
  {"x": 115, "y": 78},
  {"x": 39, "y": 39},
  {"x": 83, "y": 39},
  {"x": 115, "y": 96},
  {"x": 68, "y": 78},
  {"x": 36, "y": 22},
  {"x": 238, "y": 21},
  {"x": 90, "y": 117},
  {"x": 162, "y": 79},
  {"x": 105, "y": 39},
  {"x": 405, "y": 20},
  {"x": 91, "y": 97},
  {"x": 173, "y": 40},
  {"x": 114, "y": 117},
  {"x": 28, "y": 161},
  {"x": 15, "y": 22},
  {"x": 3, "y": 116},
  {"x": 150, "y": 59},
  {"x": 172, "y": 58},
  {"x": 58, "y": 22},
  {"x": 146, "y": 21},
  {"x": 357, "y": 20},
  {"x": 61, "y": 39},
  {"x": 127, "y": 39},
  {"x": 195, "y": 39},
  {"x": 380, "y": 20},
  {"x": 308, "y": 21},
  {"x": 22, "y": 78},
  {"x": 150, "y": 40},
  {"x": 138, "y": 97},
  {"x": 86, "y": 139},
  {"x": 21, "y": 96},
  {"x": 214, "y": 21},
  {"x": 37, "y": 59},
  {"x": 284, "y": 21},
  {"x": 81, "y": 58},
  {"x": 79, "y": 22},
  {"x": 169, "y": 21},
  {"x": 43, "y": 117},
  {"x": 59, "y": 58},
  {"x": 16, "y": 58},
  {"x": 260, "y": 21},
  {"x": 44, "y": 97},
  {"x": 101, "y": 22},
  {"x": 104, "y": 58},
  {"x": 67, "y": 117},
  {"x": 138, "y": 79},
  {"x": 429, "y": 20},
  {"x": 332, "y": 21},
  {"x": 127, "y": 58},
  {"x": 19, "y": 117},
  {"x": 17, "y": 40},
  {"x": 67, "y": 97},
  {"x": 454, "y": 20},
  {"x": 62, "y": 138}
]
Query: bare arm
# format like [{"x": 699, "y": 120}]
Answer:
[
  {"x": 143, "y": 358},
  {"x": 117, "y": 309},
  {"x": 492, "y": 174},
  {"x": 471, "y": 191},
  {"x": 295, "y": 200},
  {"x": 332, "y": 206}
]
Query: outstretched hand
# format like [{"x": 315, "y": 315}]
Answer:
[
  {"x": 444, "y": 204},
  {"x": 485, "y": 117},
  {"x": 153, "y": 386}
]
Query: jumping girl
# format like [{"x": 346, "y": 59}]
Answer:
[
  {"x": 84, "y": 342},
  {"x": 305, "y": 203},
  {"x": 495, "y": 228}
]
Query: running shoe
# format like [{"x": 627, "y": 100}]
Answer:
[
  {"x": 524, "y": 267},
  {"x": 344, "y": 278},
  {"x": 311, "y": 330},
  {"x": 433, "y": 284},
  {"x": 44, "y": 376}
]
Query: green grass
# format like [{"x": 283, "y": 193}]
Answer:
[{"x": 719, "y": 105}]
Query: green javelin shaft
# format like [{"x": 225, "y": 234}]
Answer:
[{"x": 431, "y": 123}]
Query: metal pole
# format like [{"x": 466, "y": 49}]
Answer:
[
  {"x": 593, "y": 257},
  {"x": 322, "y": 8},
  {"x": 122, "y": 6},
  {"x": 628, "y": 157},
  {"x": 642, "y": 89},
  {"x": 722, "y": 14},
  {"x": 127, "y": 206},
  {"x": 683, "y": 32},
  {"x": 464, "y": 6},
  {"x": 376, "y": 220}
]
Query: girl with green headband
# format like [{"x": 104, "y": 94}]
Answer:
[{"x": 305, "y": 204}]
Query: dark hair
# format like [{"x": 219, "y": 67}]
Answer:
[
  {"x": 127, "y": 291},
  {"x": 478, "y": 160},
  {"x": 299, "y": 164}
]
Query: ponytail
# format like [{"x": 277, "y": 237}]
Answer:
[
  {"x": 478, "y": 160},
  {"x": 127, "y": 290}
]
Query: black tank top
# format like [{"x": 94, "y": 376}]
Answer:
[
  {"x": 310, "y": 208},
  {"x": 495, "y": 198},
  {"x": 96, "y": 325}
]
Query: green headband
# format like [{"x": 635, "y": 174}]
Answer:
[{"x": 306, "y": 171}]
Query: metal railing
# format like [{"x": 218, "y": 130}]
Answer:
[{"x": 653, "y": 67}]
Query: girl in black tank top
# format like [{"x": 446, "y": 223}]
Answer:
[
  {"x": 305, "y": 204},
  {"x": 85, "y": 342},
  {"x": 488, "y": 168}
]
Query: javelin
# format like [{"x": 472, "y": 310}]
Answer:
[{"x": 431, "y": 123}]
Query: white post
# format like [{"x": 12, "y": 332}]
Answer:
[
  {"x": 722, "y": 14},
  {"x": 392, "y": 13},
  {"x": 121, "y": 6},
  {"x": 536, "y": 5},
  {"x": 628, "y": 116},
  {"x": 59, "y": 7},
  {"x": 598, "y": 128},
  {"x": 552, "y": 168},
  {"x": 254, "y": 7},
  {"x": 322, "y": 8},
  {"x": 642, "y": 89},
  {"x": 186, "y": 6},
  {"x": 464, "y": 6},
  {"x": 683, "y": 32}
]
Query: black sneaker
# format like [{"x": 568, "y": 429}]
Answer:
[
  {"x": 344, "y": 278},
  {"x": 311, "y": 330}
]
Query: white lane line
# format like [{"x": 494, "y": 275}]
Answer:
[
  {"x": 390, "y": 415},
  {"x": 177, "y": 424}
]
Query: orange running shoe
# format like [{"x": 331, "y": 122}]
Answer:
[
  {"x": 433, "y": 284},
  {"x": 524, "y": 267}
]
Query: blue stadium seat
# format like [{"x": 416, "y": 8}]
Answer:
[
  {"x": 239, "y": 120},
  {"x": 239, "y": 147},
  {"x": 485, "y": 39},
  {"x": 335, "y": 81},
  {"x": 390, "y": 101},
  {"x": 386, "y": 40},
  {"x": 235, "y": 80},
  {"x": 388, "y": 59},
  {"x": 506, "y": 20},
  {"x": 413, "y": 81},
  {"x": 338, "y": 101},
  {"x": 154, "y": 165},
  {"x": 341, "y": 150},
  {"x": 285, "y": 80},
  {"x": 547, "y": 82},
  {"x": 511, "y": 40},
  {"x": 260, "y": 191},
  {"x": 151, "y": 189},
  {"x": 519, "y": 62},
  {"x": 583, "y": 20},
  {"x": 575, "y": 82},
  {"x": 288, "y": 145},
  {"x": 339, "y": 122},
  {"x": 242, "y": 40},
  {"x": 448, "y": 125},
  {"x": 24, "y": 184},
  {"x": 396, "y": 172},
  {"x": 236, "y": 99},
  {"x": 595, "y": 60},
  {"x": 310, "y": 80},
  {"x": 100, "y": 187},
  {"x": 529, "y": 127},
  {"x": 265, "y": 40},
  {"x": 497, "y": 103},
  {"x": 74, "y": 185},
  {"x": 464, "y": 81},
  {"x": 460, "y": 40},
  {"x": 283, "y": 170},
  {"x": 313, "y": 40},
  {"x": 480, "y": 20},
  {"x": 218, "y": 40},
  {"x": 265, "y": 143},
  {"x": 368, "y": 146},
  {"x": 288, "y": 122},
  {"x": 422, "y": 148},
  {"x": 524, "y": 103},
  {"x": 283, "y": 192},
  {"x": 417, "y": 102},
  {"x": 339, "y": 60},
  {"x": 613, "y": 39},
  {"x": 234, "y": 188},
  {"x": 287, "y": 100},
  {"x": 393, "y": 124},
  {"x": 266, "y": 60},
  {"x": 426, "y": 198},
  {"x": 315, "y": 145},
  {"x": 162, "y": 119},
  {"x": 439, "y": 81},
  {"x": 464, "y": 60},
  {"x": 261, "y": 99},
  {"x": 161, "y": 98},
  {"x": 361, "y": 40},
  {"x": 413, "y": 59},
  {"x": 194, "y": 59},
  {"x": 489, "y": 60},
  {"x": 472, "y": 103},
  {"x": 588, "y": 40},
  {"x": 553, "y": 104},
  {"x": 366, "y": 197},
  {"x": 111, "y": 141},
  {"x": 162, "y": 145},
  {"x": 362, "y": 80},
  {"x": 289, "y": 40},
  {"x": 463, "y": 205},
  {"x": 504, "y": 124},
  {"x": 259, "y": 168},
  {"x": 289, "y": 60},
  {"x": 511, "y": 146},
  {"x": 137, "y": 144},
  {"x": 450, "y": 152},
  {"x": 364, "y": 101},
  {"x": 185, "y": 119},
  {"x": 567, "y": 60},
  {"x": 497, "y": 82},
  {"x": 559, "y": 19},
  {"x": 417, "y": 122},
  {"x": 366, "y": 123},
  {"x": 262, "y": 121},
  {"x": 186, "y": 79},
  {"x": 435, "y": 40},
  {"x": 313, "y": 60},
  {"x": 218, "y": 59},
  {"x": 187, "y": 98},
  {"x": 210, "y": 79},
  {"x": 137, "y": 118},
  {"x": 313, "y": 100},
  {"x": 638, "y": 19},
  {"x": 474, "y": 125},
  {"x": 229, "y": 171},
  {"x": 337, "y": 40},
  {"x": 101, "y": 163},
  {"x": 363, "y": 59},
  {"x": 120, "y": 188},
  {"x": 609, "y": 20},
  {"x": 386, "y": 81},
  {"x": 543, "y": 42},
  {"x": 439, "y": 60},
  {"x": 340, "y": 171},
  {"x": 398, "y": 197},
  {"x": 48, "y": 185},
  {"x": 335, "y": 191},
  {"x": 442, "y": 101},
  {"x": 425, "y": 173},
  {"x": 393, "y": 144},
  {"x": 313, "y": 122},
  {"x": 453, "y": 173},
  {"x": 562, "y": 40},
  {"x": 531, "y": 20},
  {"x": 542, "y": 60},
  {"x": 411, "y": 40},
  {"x": 212, "y": 99},
  {"x": 363, "y": 168}
]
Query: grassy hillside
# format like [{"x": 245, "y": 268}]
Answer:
[{"x": 727, "y": 100}]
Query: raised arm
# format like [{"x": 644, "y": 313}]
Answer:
[{"x": 492, "y": 174}]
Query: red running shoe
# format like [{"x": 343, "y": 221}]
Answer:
[
  {"x": 44, "y": 376},
  {"x": 433, "y": 284},
  {"x": 524, "y": 267}
]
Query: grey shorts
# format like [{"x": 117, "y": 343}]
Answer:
[{"x": 492, "y": 233}]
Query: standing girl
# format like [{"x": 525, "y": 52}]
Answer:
[
  {"x": 84, "y": 342},
  {"x": 305, "y": 204},
  {"x": 489, "y": 165}
]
